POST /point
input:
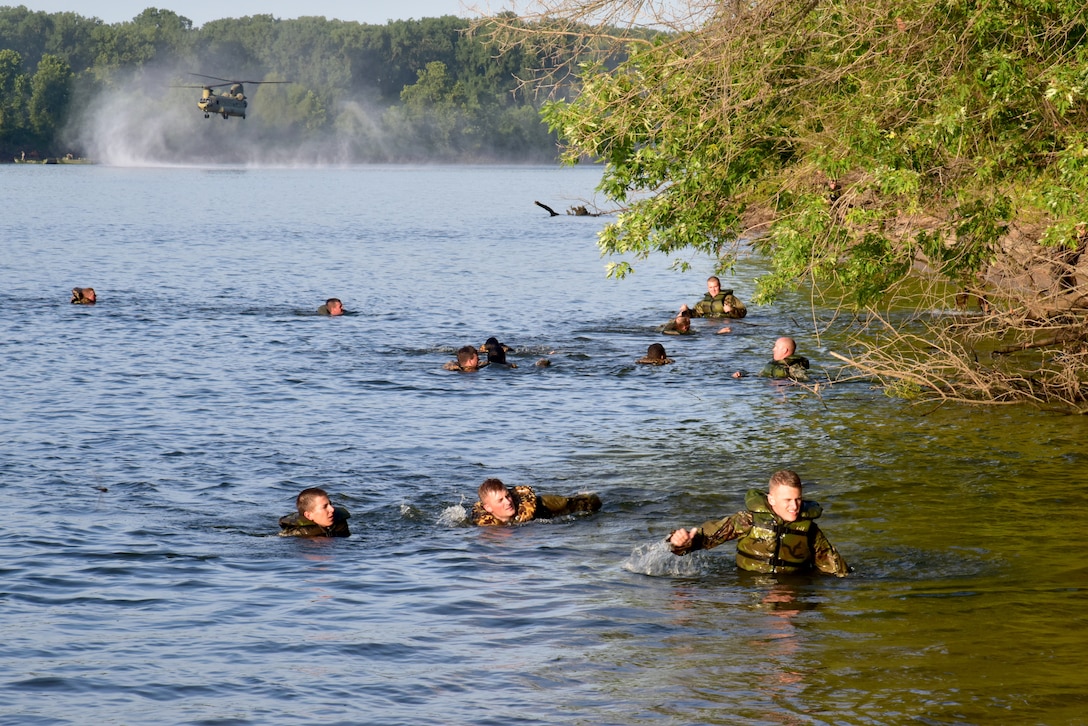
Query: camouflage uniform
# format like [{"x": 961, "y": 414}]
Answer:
[
  {"x": 670, "y": 328},
  {"x": 528, "y": 505},
  {"x": 323, "y": 310},
  {"x": 455, "y": 366},
  {"x": 766, "y": 543},
  {"x": 794, "y": 366},
  {"x": 714, "y": 307},
  {"x": 295, "y": 525},
  {"x": 79, "y": 299}
]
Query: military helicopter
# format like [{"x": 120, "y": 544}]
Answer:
[{"x": 231, "y": 103}]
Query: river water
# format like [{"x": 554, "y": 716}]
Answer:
[{"x": 148, "y": 445}]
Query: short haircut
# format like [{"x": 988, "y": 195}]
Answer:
[
  {"x": 656, "y": 351},
  {"x": 714, "y": 278},
  {"x": 490, "y": 486},
  {"x": 785, "y": 478},
  {"x": 495, "y": 353},
  {"x": 466, "y": 353},
  {"x": 307, "y": 498},
  {"x": 331, "y": 300}
]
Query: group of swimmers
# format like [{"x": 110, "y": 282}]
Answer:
[
  {"x": 776, "y": 532},
  {"x": 716, "y": 303},
  {"x": 723, "y": 304}
]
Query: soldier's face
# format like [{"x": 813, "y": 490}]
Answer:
[
  {"x": 321, "y": 513},
  {"x": 499, "y": 504},
  {"x": 713, "y": 287},
  {"x": 336, "y": 308},
  {"x": 785, "y": 502}
]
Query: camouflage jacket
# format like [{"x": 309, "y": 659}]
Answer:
[
  {"x": 670, "y": 328},
  {"x": 79, "y": 299},
  {"x": 795, "y": 367},
  {"x": 529, "y": 505},
  {"x": 766, "y": 543},
  {"x": 295, "y": 525},
  {"x": 714, "y": 307}
]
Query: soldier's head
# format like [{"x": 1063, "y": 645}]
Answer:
[
  {"x": 683, "y": 321},
  {"x": 313, "y": 504},
  {"x": 656, "y": 352},
  {"x": 495, "y": 352},
  {"x": 468, "y": 358},
  {"x": 334, "y": 306},
  {"x": 784, "y": 494},
  {"x": 713, "y": 285},
  {"x": 497, "y": 500},
  {"x": 783, "y": 348},
  {"x": 84, "y": 295}
]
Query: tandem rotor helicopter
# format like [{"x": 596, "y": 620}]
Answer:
[{"x": 227, "y": 104}]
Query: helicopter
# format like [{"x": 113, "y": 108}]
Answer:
[{"x": 231, "y": 103}]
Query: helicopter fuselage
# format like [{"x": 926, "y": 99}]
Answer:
[{"x": 225, "y": 105}]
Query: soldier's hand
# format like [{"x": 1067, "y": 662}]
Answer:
[{"x": 681, "y": 537}]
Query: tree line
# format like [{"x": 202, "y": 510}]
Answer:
[{"x": 429, "y": 89}]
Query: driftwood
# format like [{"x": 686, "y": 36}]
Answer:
[{"x": 575, "y": 211}]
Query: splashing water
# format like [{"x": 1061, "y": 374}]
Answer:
[{"x": 657, "y": 560}]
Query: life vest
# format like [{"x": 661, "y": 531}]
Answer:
[
  {"x": 714, "y": 307},
  {"x": 773, "y": 545},
  {"x": 795, "y": 367},
  {"x": 524, "y": 509}
]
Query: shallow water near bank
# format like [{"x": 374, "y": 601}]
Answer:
[{"x": 149, "y": 443}]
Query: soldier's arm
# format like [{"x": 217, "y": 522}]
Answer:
[
  {"x": 553, "y": 505},
  {"x": 713, "y": 533},
  {"x": 827, "y": 558}
]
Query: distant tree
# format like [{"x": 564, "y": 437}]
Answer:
[
  {"x": 14, "y": 97},
  {"x": 50, "y": 91}
]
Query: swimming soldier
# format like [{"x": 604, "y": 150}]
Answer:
[
  {"x": 316, "y": 517},
  {"x": 83, "y": 296},
  {"x": 786, "y": 363},
  {"x": 717, "y": 303},
  {"x": 776, "y": 533},
  {"x": 499, "y": 504},
  {"x": 680, "y": 325},
  {"x": 332, "y": 306},
  {"x": 655, "y": 356},
  {"x": 496, "y": 353},
  {"x": 468, "y": 360}
]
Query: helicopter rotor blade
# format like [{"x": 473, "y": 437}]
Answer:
[
  {"x": 214, "y": 78},
  {"x": 226, "y": 82}
]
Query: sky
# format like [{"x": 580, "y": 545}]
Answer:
[{"x": 201, "y": 11}]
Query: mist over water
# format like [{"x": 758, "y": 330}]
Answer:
[
  {"x": 148, "y": 445},
  {"x": 151, "y": 118}
]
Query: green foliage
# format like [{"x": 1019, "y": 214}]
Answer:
[
  {"x": 49, "y": 95},
  {"x": 410, "y": 89},
  {"x": 970, "y": 114}
]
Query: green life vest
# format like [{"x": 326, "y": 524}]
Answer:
[
  {"x": 773, "y": 545},
  {"x": 714, "y": 307}
]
